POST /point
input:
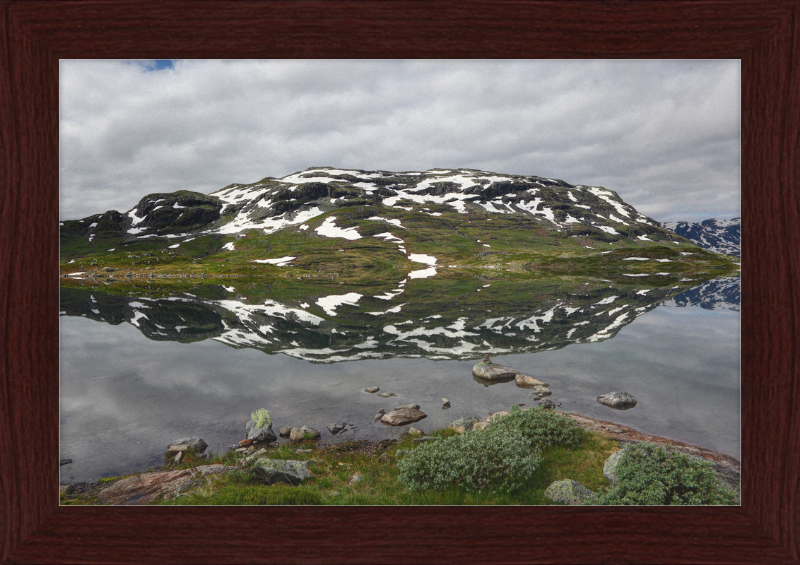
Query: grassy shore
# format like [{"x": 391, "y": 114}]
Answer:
[{"x": 335, "y": 466}]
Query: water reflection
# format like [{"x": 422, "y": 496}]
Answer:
[{"x": 458, "y": 321}]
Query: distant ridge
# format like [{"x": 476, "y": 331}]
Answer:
[{"x": 719, "y": 236}]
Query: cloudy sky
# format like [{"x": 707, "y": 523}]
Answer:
[{"x": 663, "y": 134}]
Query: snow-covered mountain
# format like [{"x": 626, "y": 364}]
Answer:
[
  {"x": 273, "y": 204},
  {"x": 719, "y": 236}
]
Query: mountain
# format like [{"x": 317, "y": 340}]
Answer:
[
  {"x": 719, "y": 236},
  {"x": 378, "y": 228}
]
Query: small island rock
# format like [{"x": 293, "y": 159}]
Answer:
[
  {"x": 524, "y": 381},
  {"x": 617, "y": 400}
]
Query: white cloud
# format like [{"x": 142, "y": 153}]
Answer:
[{"x": 663, "y": 134}]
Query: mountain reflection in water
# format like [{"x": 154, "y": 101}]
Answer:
[{"x": 194, "y": 363}]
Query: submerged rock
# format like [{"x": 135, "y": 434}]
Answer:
[
  {"x": 403, "y": 417},
  {"x": 271, "y": 471},
  {"x": 410, "y": 406},
  {"x": 386, "y": 394},
  {"x": 568, "y": 491},
  {"x": 524, "y": 381},
  {"x": 541, "y": 391},
  {"x": 617, "y": 400}
]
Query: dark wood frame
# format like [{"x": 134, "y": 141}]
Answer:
[{"x": 765, "y": 35}]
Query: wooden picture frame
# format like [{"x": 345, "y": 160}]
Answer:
[{"x": 36, "y": 34}]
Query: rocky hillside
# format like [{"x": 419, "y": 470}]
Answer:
[{"x": 719, "y": 236}]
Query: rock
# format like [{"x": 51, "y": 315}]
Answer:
[
  {"x": 489, "y": 371},
  {"x": 64, "y": 462},
  {"x": 240, "y": 450},
  {"x": 147, "y": 487},
  {"x": 547, "y": 404},
  {"x": 185, "y": 443},
  {"x": 372, "y": 389},
  {"x": 336, "y": 428},
  {"x": 378, "y": 416},
  {"x": 402, "y": 417},
  {"x": 384, "y": 458},
  {"x": 178, "y": 457},
  {"x": 568, "y": 491},
  {"x": 524, "y": 381},
  {"x": 304, "y": 433},
  {"x": 463, "y": 424},
  {"x": 610, "y": 466},
  {"x": 264, "y": 434},
  {"x": 480, "y": 426},
  {"x": 407, "y": 406},
  {"x": 271, "y": 471},
  {"x": 246, "y": 443},
  {"x": 617, "y": 400},
  {"x": 496, "y": 415},
  {"x": 355, "y": 479},
  {"x": 414, "y": 432},
  {"x": 386, "y": 394},
  {"x": 335, "y": 493},
  {"x": 285, "y": 431},
  {"x": 541, "y": 391},
  {"x": 445, "y": 403}
]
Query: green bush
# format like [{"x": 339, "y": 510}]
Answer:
[
  {"x": 541, "y": 428},
  {"x": 475, "y": 460},
  {"x": 261, "y": 417},
  {"x": 647, "y": 474}
]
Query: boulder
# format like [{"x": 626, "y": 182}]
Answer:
[
  {"x": 299, "y": 434},
  {"x": 271, "y": 471},
  {"x": 524, "y": 381},
  {"x": 463, "y": 424},
  {"x": 246, "y": 443},
  {"x": 617, "y": 400},
  {"x": 445, "y": 403},
  {"x": 495, "y": 415},
  {"x": 285, "y": 431},
  {"x": 568, "y": 491},
  {"x": 541, "y": 391},
  {"x": 185, "y": 443},
  {"x": 610, "y": 466},
  {"x": 264, "y": 434},
  {"x": 403, "y": 417},
  {"x": 415, "y": 432},
  {"x": 480, "y": 426},
  {"x": 355, "y": 479},
  {"x": 407, "y": 406},
  {"x": 547, "y": 404},
  {"x": 372, "y": 389}
]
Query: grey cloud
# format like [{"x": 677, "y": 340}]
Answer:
[{"x": 663, "y": 134}]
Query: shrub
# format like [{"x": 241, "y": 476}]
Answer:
[
  {"x": 475, "y": 460},
  {"x": 655, "y": 475},
  {"x": 261, "y": 418},
  {"x": 541, "y": 428}
]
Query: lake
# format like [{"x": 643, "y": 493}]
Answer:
[{"x": 139, "y": 371}]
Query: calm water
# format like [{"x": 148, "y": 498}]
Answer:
[{"x": 125, "y": 396}]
